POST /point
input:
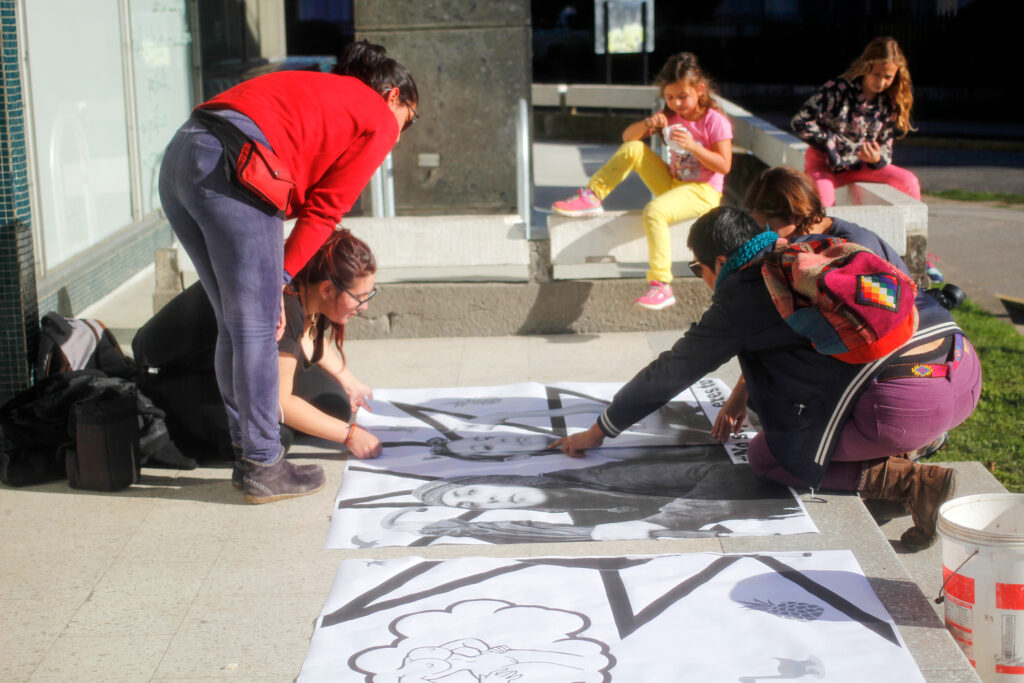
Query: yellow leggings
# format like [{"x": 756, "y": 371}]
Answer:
[{"x": 674, "y": 200}]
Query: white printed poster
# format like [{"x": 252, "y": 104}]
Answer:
[
  {"x": 474, "y": 465},
  {"x": 698, "y": 617}
]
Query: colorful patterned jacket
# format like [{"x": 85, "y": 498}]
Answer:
[{"x": 837, "y": 120}]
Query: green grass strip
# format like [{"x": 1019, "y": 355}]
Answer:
[
  {"x": 994, "y": 434},
  {"x": 971, "y": 196}
]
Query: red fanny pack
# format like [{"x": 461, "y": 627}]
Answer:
[
  {"x": 250, "y": 165},
  {"x": 258, "y": 170}
]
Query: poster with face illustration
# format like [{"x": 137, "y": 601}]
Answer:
[
  {"x": 474, "y": 465},
  {"x": 687, "y": 492},
  {"x": 748, "y": 618},
  {"x": 509, "y": 429}
]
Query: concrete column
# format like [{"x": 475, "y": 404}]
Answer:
[
  {"x": 19, "y": 310},
  {"x": 471, "y": 62}
]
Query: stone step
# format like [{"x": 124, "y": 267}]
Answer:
[{"x": 483, "y": 309}]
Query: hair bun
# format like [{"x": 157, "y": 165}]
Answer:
[{"x": 364, "y": 54}]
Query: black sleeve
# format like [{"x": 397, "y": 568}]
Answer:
[{"x": 708, "y": 344}]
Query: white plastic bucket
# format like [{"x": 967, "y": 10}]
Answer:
[{"x": 983, "y": 567}]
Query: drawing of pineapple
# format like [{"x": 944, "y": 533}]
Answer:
[{"x": 798, "y": 611}]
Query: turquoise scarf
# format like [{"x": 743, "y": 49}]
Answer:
[{"x": 745, "y": 254}]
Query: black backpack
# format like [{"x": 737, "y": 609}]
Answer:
[{"x": 78, "y": 344}]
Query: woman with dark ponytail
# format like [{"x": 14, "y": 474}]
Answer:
[{"x": 328, "y": 132}]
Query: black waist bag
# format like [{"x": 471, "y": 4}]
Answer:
[{"x": 105, "y": 456}]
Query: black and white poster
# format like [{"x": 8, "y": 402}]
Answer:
[
  {"x": 509, "y": 428},
  {"x": 475, "y": 466},
  {"x": 748, "y": 618}
]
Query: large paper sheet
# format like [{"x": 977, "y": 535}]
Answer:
[
  {"x": 474, "y": 465},
  {"x": 515, "y": 424},
  {"x": 699, "y": 617}
]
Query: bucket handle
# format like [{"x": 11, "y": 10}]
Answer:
[{"x": 942, "y": 588}]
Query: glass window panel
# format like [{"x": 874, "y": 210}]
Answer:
[
  {"x": 162, "y": 58},
  {"x": 79, "y": 123}
]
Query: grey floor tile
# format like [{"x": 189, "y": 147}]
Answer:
[
  {"x": 263, "y": 636},
  {"x": 102, "y": 658},
  {"x": 55, "y": 566},
  {"x": 614, "y": 357},
  {"x": 148, "y": 596},
  {"x": 388, "y": 363},
  {"x": 28, "y": 629}
]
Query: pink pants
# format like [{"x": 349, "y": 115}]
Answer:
[
  {"x": 816, "y": 166},
  {"x": 890, "y": 417}
]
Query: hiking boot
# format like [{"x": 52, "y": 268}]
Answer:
[
  {"x": 585, "y": 203},
  {"x": 266, "y": 482},
  {"x": 921, "y": 489},
  {"x": 659, "y": 296}
]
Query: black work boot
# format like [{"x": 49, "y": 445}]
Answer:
[{"x": 266, "y": 482}]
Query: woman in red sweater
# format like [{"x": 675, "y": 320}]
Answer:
[{"x": 330, "y": 133}]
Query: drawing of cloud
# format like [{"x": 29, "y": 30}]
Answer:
[{"x": 487, "y": 640}]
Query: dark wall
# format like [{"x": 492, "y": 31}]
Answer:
[{"x": 961, "y": 63}]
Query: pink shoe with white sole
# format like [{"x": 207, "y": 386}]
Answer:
[{"x": 659, "y": 296}]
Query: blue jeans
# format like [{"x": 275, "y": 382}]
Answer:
[{"x": 237, "y": 247}]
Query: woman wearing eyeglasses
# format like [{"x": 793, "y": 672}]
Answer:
[
  {"x": 329, "y": 132},
  {"x": 335, "y": 286},
  {"x": 318, "y": 394}
]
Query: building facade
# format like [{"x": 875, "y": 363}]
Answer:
[{"x": 92, "y": 93}]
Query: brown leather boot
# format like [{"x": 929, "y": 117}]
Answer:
[
  {"x": 266, "y": 482},
  {"x": 921, "y": 489}
]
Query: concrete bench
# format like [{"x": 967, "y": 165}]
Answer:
[{"x": 613, "y": 245}]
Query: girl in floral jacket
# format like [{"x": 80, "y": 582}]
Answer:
[{"x": 851, "y": 121}]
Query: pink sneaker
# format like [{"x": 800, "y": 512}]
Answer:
[
  {"x": 659, "y": 296},
  {"x": 585, "y": 203}
]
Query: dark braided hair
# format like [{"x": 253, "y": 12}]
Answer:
[
  {"x": 340, "y": 260},
  {"x": 370, "y": 63}
]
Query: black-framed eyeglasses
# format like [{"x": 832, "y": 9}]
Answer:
[
  {"x": 360, "y": 302},
  {"x": 415, "y": 117},
  {"x": 697, "y": 268}
]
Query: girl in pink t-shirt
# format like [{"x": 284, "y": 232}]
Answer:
[{"x": 699, "y": 138}]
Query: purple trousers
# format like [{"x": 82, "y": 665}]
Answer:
[
  {"x": 890, "y": 417},
  {"x": 237, "y": 247}
]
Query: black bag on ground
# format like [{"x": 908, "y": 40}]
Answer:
[
  {"x": 35, "y": 425},
  {"x": 106, "y": 454},
  {"x": 39, "y": 426},
  {"x": 78, "y": 344}
]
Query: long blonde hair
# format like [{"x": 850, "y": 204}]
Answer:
[{"x": 901, "y": 94}]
